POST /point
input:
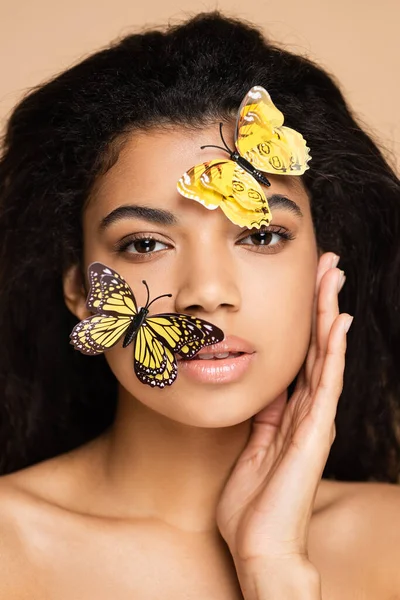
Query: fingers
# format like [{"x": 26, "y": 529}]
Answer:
[
  {"x": 327, "y": 261},
  {"x": 331, "y": 380},
  {"x": 327, "y": 312},
  {"x": 326, "y": 309}
]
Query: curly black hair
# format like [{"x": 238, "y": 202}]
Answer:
[{"x": 65, "y": 133}]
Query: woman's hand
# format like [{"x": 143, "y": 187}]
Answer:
[{"x": 265, "y": 509}]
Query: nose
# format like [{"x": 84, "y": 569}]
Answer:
[{"x": 207, "y": 282}]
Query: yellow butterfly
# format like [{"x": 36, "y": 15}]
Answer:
[
  {"x": 262, "y": 145},
  {"x": 156, "y": 339}
]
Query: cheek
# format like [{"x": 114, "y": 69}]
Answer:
[{"x": 280, "y": 302}]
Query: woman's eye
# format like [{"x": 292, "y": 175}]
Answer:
[
  {"x": 143, "y": 246},
  {"x": 264, "y": 238}
]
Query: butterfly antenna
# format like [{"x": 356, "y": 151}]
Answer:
[
  {"x": 226, "y": 149},
  {"x": 148, "y": 292},
  {"x": 212, "y": 146},
  {"x": 223, "y": 139},
  {"x": 158, "y": 297}
]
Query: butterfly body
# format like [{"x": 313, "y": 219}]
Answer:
[
  {"x": 156, "y": 338},
  {"x": 247, "y": 166},
  {"x": 134, "y": 327}
]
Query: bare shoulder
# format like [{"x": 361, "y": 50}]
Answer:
[
  {"x": 17, "y": 577},
  {"x": 29, "y": 512},
  {"x": 355, "y": 539}
]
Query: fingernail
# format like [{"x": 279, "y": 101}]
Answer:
[
  {"x": 341, "y": 280},
  {"x": 348, "y": 323},
  {"x": 335, "y": 261}
]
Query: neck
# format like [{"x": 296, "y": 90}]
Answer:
[{"x": 162, "y": 469}]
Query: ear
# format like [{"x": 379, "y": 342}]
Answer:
[{"x": 75, "y": 293}]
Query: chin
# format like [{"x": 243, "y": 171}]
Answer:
[{"x": 207, "y": 407}]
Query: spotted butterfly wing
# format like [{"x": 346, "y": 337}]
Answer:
[
  {"x": 95, "y": 272},
  {"x": 224, "y": 184},
  {"x": 202, "y": 334},
  {"x": 158, "y": 337},
  {"x": 103, "y": 330},
  {"x": 165, "y": 378},
  {"x": 181, "y": 334},
  {"x": 211, "y": 335},
  {"x": 263, "y": 140},
  {"x": 98, "y": 333}
]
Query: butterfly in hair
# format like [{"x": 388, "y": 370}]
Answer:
[
  {"x": 262, "y": 145},
  {"x": 156, "y": 338}
]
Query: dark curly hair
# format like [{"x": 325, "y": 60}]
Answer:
[{"x": 65, "y": 133}]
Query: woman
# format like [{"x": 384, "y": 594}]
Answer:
[{"x": 210, "y": 487}]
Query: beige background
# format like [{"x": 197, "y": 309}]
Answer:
[{"x": 357, "y": 40}]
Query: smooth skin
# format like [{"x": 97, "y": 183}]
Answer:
[{"x": 204, "y": 490}]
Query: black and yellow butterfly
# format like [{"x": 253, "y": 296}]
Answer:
[
  {"x": 156, "y": 338},
  {"x": 262, "y": 145}
]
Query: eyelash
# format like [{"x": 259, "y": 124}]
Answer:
[
  {"x": 285, "y": 235},
  {"x": 123, "y": 245}
]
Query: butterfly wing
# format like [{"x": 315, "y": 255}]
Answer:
[
  {"x": 156, "y": 344},
  {"x": 112, "y": 300},
  {"x": 264, "y": 141},
  {"x": 98, "y": 333},
  {"x": 244, "y": 201},
  {"x": 163, "y": 336},
  {"x": 150, "y": 351},
  {"x": 116, "y": 296},
  {"x": 160, "y": 337},
  {"x": 211, "y": 334},
  {"x": 166, "y": 377},
  {"x": 224, "y": 183},
  {"x": 190, "y": 186},
  {"x": 184, "y": 334},
  {"x": 95, "y": 271}
]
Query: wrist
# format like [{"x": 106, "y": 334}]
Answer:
[{"x": 277, "y": 580}]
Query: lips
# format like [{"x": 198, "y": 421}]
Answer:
[
  {"x": 219, "y": 355},
  {"x": 222, "y": 363}
]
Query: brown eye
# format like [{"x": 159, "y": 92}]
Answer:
[
  {"x": 267, "y": 240},
  {"x": 143, "y": 246},
  {"x": 264, "y": 238}
]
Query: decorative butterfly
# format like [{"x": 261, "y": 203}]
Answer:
[
  {"x": 262, "y": 145},
  {"x": 156, "y": 338}
]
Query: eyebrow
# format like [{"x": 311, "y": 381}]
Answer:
[
  {"x": 160, "y": 216},
  {"x": 281, "y": 201}
]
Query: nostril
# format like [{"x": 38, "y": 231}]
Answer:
[{"x": 192, "y": 308}]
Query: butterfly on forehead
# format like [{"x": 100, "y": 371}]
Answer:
[
  {"x": 262, "y": 145},
  {"x": 156, "y": 338}
]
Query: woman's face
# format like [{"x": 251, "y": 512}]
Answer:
[{"x": 255, "y": 287}]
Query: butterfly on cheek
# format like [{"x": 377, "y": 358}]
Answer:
[
  {"x": 156, "y": 338},
  {"x": 262, "y": 145}
]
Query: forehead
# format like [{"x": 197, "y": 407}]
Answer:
[{"x": 151, "y": 162}]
